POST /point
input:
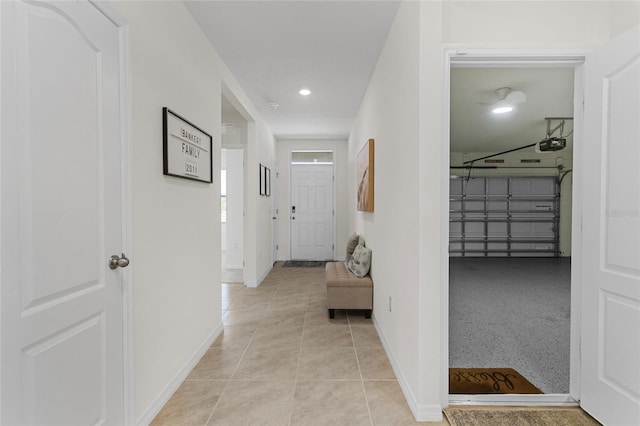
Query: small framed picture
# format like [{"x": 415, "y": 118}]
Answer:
[
  {"x": 265, "y": 180},
  {"x": 268, "y": 182}
]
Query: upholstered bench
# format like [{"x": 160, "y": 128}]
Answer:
[{"x": 347, "y": 291}]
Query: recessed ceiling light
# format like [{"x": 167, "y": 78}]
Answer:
[{"x": 305, "y": 92}]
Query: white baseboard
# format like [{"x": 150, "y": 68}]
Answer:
[
  {"x": 421, "y": 412},
  {"x": 163, "y": 397},
  {"x": 255, "y": 284},
  {"x": 264, "y": 275}
]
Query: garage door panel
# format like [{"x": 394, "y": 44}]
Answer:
[{"x": 504, "y": 216}]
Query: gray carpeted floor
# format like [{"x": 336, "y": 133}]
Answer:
[{"x": 512, "y": 312}]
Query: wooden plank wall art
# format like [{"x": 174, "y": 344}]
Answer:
[{"x": 365, "y": 177}]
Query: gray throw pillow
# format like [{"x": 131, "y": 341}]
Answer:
[
  {"x": 360, "y": 262},
  {"x": 351, "y": 245}
]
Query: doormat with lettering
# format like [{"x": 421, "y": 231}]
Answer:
[
  {"x": 303, "y": 264},
  {"x": 472, "y": 381}
]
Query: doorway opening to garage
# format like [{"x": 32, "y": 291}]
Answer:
[{"x": 510, "y": 226}]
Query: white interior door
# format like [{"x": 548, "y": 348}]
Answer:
[
  {"x": 610, "y": 376},
  {"x": 311, "y": 212},
  {"x": 61, "y": 216}
]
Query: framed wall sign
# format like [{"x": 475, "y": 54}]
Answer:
[{"x": 187, "y": 149}]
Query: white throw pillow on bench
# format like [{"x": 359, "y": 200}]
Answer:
[{"x": 360, "y": 261}]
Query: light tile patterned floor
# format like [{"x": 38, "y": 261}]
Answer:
[{"x": 282, "y": 361}]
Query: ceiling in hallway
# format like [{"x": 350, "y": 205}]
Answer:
[{"x": 276, "y": 48}]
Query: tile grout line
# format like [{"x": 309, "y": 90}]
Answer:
[
  {"x": 306, "y": 325},
  {"x": 295, "y": 380},
  {"x": 230, "y": 377},
  {"x": 364, "y": 390}
]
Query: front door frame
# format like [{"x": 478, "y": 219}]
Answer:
[
  {"x": 499, "y": 58},
  {"x": 290, "y": 165}
]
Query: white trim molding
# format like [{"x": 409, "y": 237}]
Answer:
[
  {"x": 126, "y": 117},
  {"x": 307, "y": 145},
  {"x": 421, "y": 412},
  {"x": 255, "y": 284},
  {"x": 514, "y": 57},
  {"x": 163, "y": 397},
  {"x": 543, "y": 400}
]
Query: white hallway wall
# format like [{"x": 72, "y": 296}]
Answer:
[
  {"x": 403, "y": 110},
  {"x": 258, "y": 210},
  {"x": 283, "y": 152},
  {"x": 176, "y": 226},
  {"x": 390, "y": 115}
]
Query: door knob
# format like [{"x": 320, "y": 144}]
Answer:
[{"x": 115, "y": 261}]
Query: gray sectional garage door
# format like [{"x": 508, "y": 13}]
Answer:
[{"x": 504, "y": 216}]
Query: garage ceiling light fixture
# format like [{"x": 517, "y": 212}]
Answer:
[{"x": 508, "y": 100}]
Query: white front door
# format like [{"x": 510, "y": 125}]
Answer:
[
  {"x": 610, "y": 376},
  {"x": 311, "y": 212},
  {"x": 61, "y": 216}
]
